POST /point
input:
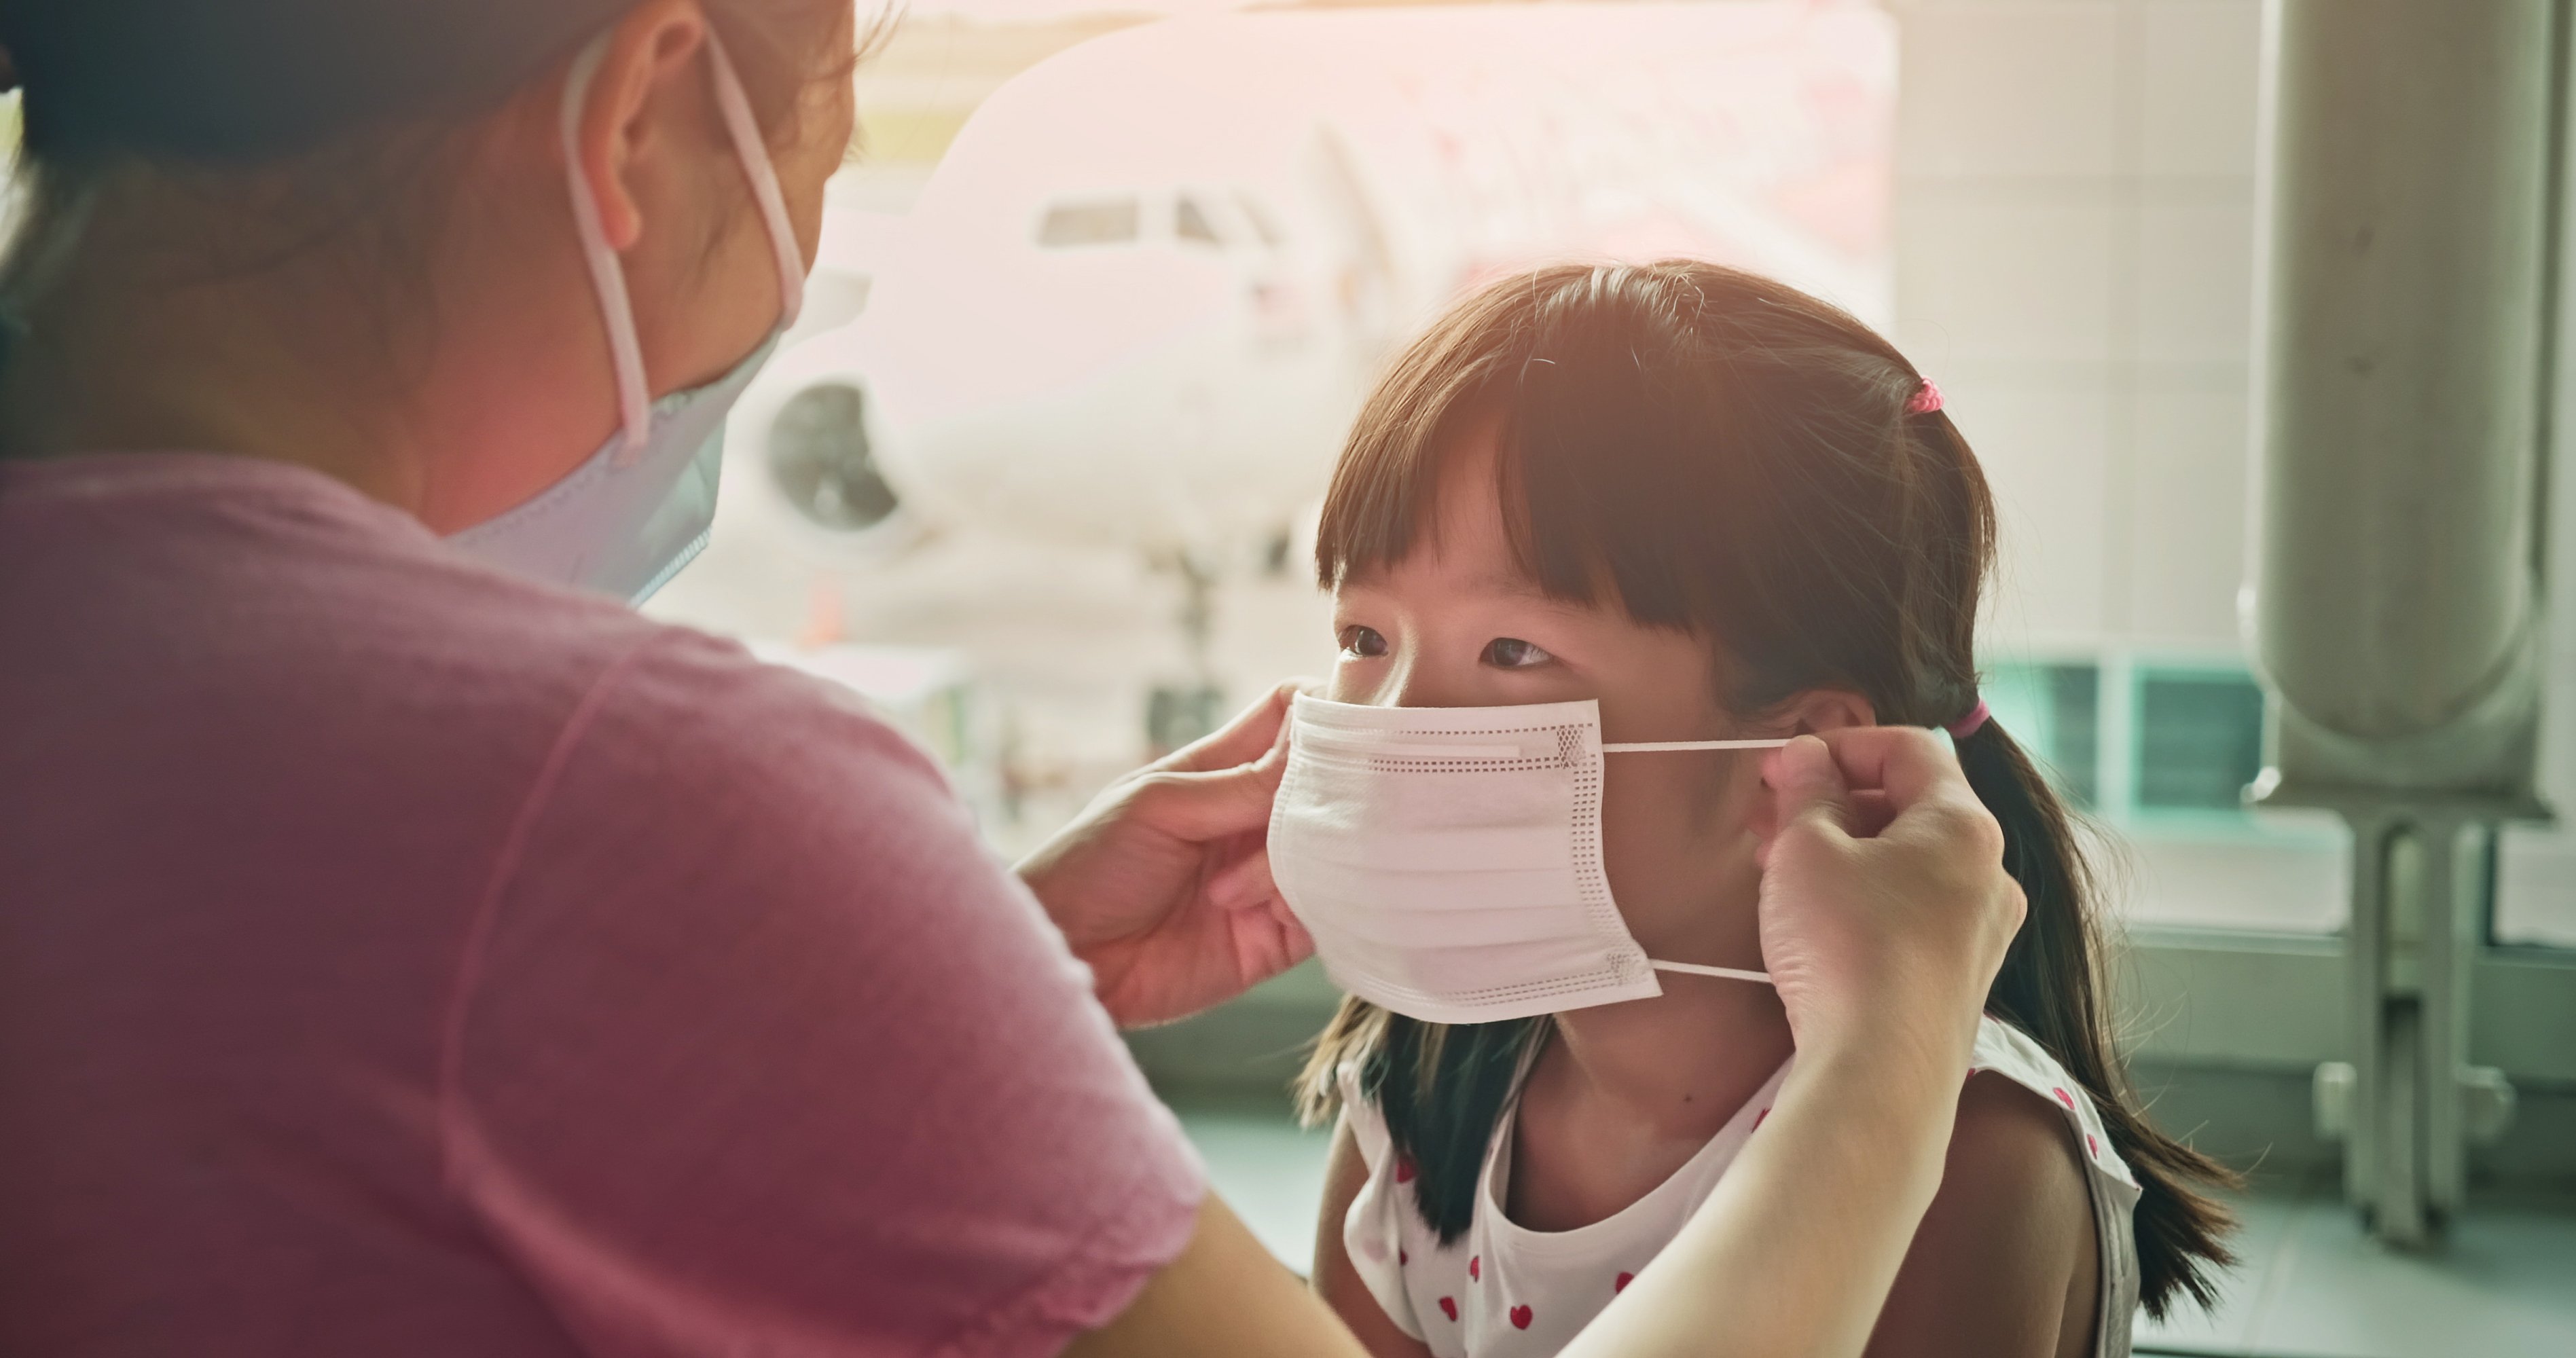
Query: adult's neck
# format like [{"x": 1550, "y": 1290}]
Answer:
[{"x": 450, "y": 391}]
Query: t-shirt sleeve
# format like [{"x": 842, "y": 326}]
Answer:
[
  {"x": 755, "y": 1049},
  {"x": 1373, "y": 1228}
]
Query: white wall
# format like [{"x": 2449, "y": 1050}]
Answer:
[{"x": 2075, "y": 190}]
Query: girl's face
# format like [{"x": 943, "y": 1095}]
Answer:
[{"x": 1457, "y": 624}]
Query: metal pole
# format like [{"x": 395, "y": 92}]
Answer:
[{"x": 2409, "y": 203}]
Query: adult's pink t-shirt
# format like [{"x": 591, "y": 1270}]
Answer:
[{"x": 397, "y": 958}]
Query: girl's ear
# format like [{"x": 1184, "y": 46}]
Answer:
[{"x": 1827, "y": 709}]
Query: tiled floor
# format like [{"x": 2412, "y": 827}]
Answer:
[{"x": 2311, "y": 1285}]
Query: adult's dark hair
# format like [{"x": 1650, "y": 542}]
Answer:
[
  {"x": 1728, "y": 457},
  {"x": 252, "y": 81},
  {"x": 286, "y": 124}
]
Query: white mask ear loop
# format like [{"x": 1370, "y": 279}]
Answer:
[
  {"x": 756, "y": 167},
  {"x": 1695, "y": 969},
  {"x": 1668, "y": 746},
  {"x": 607, "y": 274}
]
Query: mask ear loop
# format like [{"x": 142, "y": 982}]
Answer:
[
  {"x": 1695, "y": 969},
  {"x": 1667, "y": 746},
  {"x": 753, "y": 151},
  {"x": 607, "y": 273}
]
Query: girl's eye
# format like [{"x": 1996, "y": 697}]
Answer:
[
  {"x": 1362, "y": 643},
  {"x": 1512, "y": 653}
]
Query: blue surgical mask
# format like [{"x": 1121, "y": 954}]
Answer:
[{"x": 627, "y": 519}]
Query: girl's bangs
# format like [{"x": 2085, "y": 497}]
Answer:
[{"x": 1588, "y": 452}]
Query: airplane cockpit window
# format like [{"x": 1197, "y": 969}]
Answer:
[
  {"x": 1099, "y": 221},
  {"x": 2208, "y": 744},
  {"x": 1190, "y": 223},
  {"x": 1263, "y": 224}
]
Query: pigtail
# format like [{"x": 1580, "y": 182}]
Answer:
[
  {"x": 1441, "y": 1087},
  {"x": 2050, "y": 988}
]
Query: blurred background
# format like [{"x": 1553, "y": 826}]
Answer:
[{"x": 1105, "y": 284}]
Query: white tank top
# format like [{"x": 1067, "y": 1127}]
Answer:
[{"x": 1503, "y": 1291}]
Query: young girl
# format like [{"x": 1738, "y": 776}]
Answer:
[{"x": 1718, "y": 508}]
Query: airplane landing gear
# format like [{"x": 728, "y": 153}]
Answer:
[{"x": 1177, "y": 713}]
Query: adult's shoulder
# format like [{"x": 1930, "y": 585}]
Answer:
[
  {"x": 690, "y": 753},
  {"x": 748, "y": 963}
]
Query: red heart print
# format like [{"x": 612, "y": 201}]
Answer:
[
  {"x": 2064, "y": 1098},
  {"x": 1622, "y": 1284},
  {"x": 2092, "y": 1145},
  {"x": 1520, "y": 1317},
  {"x": 1404, "y": 1169},
  {"x": 1449, "y": 1307},
  {"x": 1403, "y": 1256},
  {"x": 1476, "y": 1267}
]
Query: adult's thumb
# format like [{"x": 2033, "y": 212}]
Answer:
[
  {"x": 1807, "y": 787},
  {"x": 1205, "y": 806}
]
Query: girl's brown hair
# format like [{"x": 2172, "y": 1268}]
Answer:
[{"x": 1726, "y": 456}]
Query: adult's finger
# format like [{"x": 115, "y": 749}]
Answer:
[
  {"x": 1870, "y": 812},
  {"x": 1907, "y": 763},
  {"x": 1253, "y": 731},
  {"x": 1808, "y": 787},
  {"x": 1225, "y": 801},
  {"x": 1243, "y": 883}
]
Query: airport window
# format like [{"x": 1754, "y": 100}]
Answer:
[
  {"x": 1190, "y": 222},
  {"x": 2054, "y": 712},
  {"x": 2200, "y": 739},
  {"x": 1099, "y": 221}
]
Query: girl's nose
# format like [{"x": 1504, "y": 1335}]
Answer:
[{"x": 1414, "y": 680}]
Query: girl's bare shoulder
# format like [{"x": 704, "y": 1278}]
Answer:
[{"x": 2005, "y": 1261}]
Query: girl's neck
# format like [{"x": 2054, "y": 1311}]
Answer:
[
  {"x": 1627, "y": 1094},
  {"x": 1678, "y": 1065}
]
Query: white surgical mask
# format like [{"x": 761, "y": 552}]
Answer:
[
  {"x": 626, "y": 520},
  {"x": 1447, "y": 860}
]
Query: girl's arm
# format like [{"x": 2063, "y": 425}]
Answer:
[{"x": 1335, "y": 1280}]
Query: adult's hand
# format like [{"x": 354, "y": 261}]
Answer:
[
  {"x": 1163, "y": 884},
  {"x": 1885, "y": 915},
  {"x": 1885, "y": 907}
]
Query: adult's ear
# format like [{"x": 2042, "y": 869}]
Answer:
[{"x": 646, "y": 78}]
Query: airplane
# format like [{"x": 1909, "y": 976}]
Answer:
[{"x": 1139, "y": 301}]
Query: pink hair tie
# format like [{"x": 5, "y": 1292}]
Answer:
[
  {"x": 1972, "y": 723},
  {"x": 1927, "y": 398}
]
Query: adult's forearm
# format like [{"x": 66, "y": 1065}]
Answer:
[{"x": 1796, "y": 1250}]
